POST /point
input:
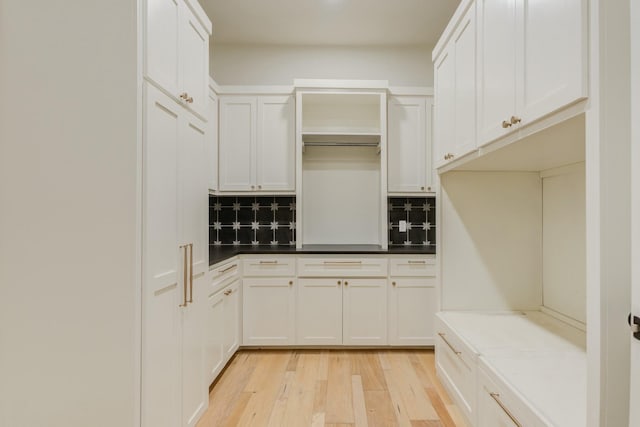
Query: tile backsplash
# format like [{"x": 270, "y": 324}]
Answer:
[
  {"x": 252, "y": 221},
  {"x": 419, "y": 213}
]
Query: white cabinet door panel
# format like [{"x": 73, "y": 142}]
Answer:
[
  {"x": 319, "y": 312},
  {"x": 464, "y": 45},
  {"x": 232, "y": 319},
  {"x": 496, "y": 67},
  {"x": 212, "y": 143},
  {"x": 407, "y": 144},
  {"x": 275, "y": 148},
  {"x": 412, "y": 308},
  {"x": 161, "y": 43},
  {"x": 237, "y": 139},
  {"x": 552, "y": 56},
  {"x": 268, "y": 311},
  {"x": 444, "y": 109},
  {"x": 214, "y": 336},
  {"x": 365, "y": 311},
  {"x": 194, "y": 62}
]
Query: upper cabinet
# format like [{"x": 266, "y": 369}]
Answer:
[
  {"x": 177, "y": 51},
  {"x": 531, "y": 62},
  {"x": 409, "y": 144},
  {"x": 257, "y": 143},
  {"x": 455, "y": 93},
  {"x": 502, "y": 65}
]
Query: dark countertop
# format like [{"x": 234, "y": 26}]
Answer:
[{"x": 221, "y": 253}]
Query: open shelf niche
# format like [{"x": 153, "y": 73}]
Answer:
[{"x": 341, "y": 175}]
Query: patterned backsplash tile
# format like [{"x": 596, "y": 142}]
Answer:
[
  {"x": 419, "y": 213},
  {"x": 252, "y": 221}
]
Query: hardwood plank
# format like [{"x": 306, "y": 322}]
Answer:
[
  {"x": 280, "y": 406},
  {"x": 359, "y": 408},
  {"x": 323, "y": 370},
  {"x": 441, "y": 409},
  {"x": 320, "y": 398},
  {"x": 457, "y": 416},
  {"x": 367, "y": 365},
  {"x": 293, "y": 361},
  {"x": 395, "y": 396},
  {"x": 425, "y": 423},
  {"x": 339, "y": 393},
  {"x": 318, "y": 420},
  {"x": 300, "y": 405},
  {"x": 416, "y": 401},
  {"x": 380, "y": 411},
  {"x": 428, "y": 360},
  {"x": 238, "y": 409}
]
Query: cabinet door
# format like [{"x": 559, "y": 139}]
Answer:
[
  {"x": 232, "y": 319},
  {"x": 496, "y": 67},
  {"x": 268, "y": 311},
  {"x": 194, "y": 386},
  {"x": 161, "y": 291},
  {"x": 212, "y": 142},
  {"x": 407, "y": 144},
  {"x": 464, "y": 47},
  {"x": 412, "y": 309},
  {"x": 365, "y": 311},
  {"x": 319, "y": 312},
  {"x": 162, "y": 22},
  {"x": 275, "y": 147},
  {"x": 552, "y": 57},
  {"x": 214, "y": 336},
  {"x": 193, "y": 200},
  {"x": 444, "y": 109},
  {"x": 236, "y": 143},
  {"x": 194, "y": 62}
]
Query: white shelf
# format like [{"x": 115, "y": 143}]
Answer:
[{"x": 365, "y": 139}]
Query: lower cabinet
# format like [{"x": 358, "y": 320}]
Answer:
[
  {"x": 350, "y": 311},
  {"x": 268, "y": 311},
  {"x": 232, "y": 319},
  {"x": 214, "y": 349},
  {"x": 412, "y": 308}
]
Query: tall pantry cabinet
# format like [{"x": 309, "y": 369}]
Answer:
[{"x": 174, "y": 211}]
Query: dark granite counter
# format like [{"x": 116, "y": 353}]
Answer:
[{"x": 220, "y": 253}]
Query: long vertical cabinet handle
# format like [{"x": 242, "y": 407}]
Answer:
[
  {"x": 191, "y": 272},
  {"x": 184, "y": 274}
]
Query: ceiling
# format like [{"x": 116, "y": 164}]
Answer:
[{"x": 329, "y": 22}]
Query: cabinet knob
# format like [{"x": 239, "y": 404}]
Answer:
[
  {"x": 506, "y": 124},
  {"x": 290, "y": 282},
  {"x": 184, "y": 96},
  {"x": 346, "y": 283},
  {"x": 448, "y": 156},
  {"x": 422, "y": 188},
  {"x": 189, "y": 100},
  {"x": 393, "y": 283},
  {"x": 515, "y": 120},
  {"x": 339, "y": 283},
  {"x": 428, "y": 188},
  {"x": 253, "y": 187},
  {"x": 259, "y": 187}
]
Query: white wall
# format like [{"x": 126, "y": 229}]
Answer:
[
  {"x": 564, "y": 247},
  {"x": 68, "y": 197},
  {"x": 492, "y": 254},
  {"x": 279, "y": 65}
]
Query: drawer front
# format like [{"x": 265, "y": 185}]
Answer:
[
  {"x": 224, "y": 272},
  {"x": 418, "y": 266},
  {"x": 266, "y": 266},
  {"x": 342, "y": 267},
  {"x": 456, "y": 366},
  {"x": 499, "y": 407}
]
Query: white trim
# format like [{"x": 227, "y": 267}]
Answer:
[
  {"x": 340, "y": 84},
  {"x": 214, "y": 86},
  {"x": 251, "y": 193},
  {"x": 200, "y": 14},
  {"x": 565, "y": 319},
  {"x": 411, "y": 91},
  {"x": 450, "y": 28},
  {"x": 255, "y": 90}
]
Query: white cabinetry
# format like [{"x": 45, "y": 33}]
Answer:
[
  {"x": 409, "y": 144},
  {"x": 232, "y": 319},
  {"x": 175, "y": 257},
  {"x": 177, "y": 50},
  {"x": 455, "y": 92},
  {"x": 344, "y": 303},
  {"x": 257, "y": 143},
  {"x": 269, "y": 287},
  {"x": 413, "y": 301},
  {"x": 212, "y": 142},
  {"x": 531, "y": 62}
]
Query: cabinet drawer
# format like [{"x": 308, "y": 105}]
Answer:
[
  {"x": 269, "y": 266},
  {"x": 223, "y": 272},
  {"x": 456, "y": 365},
  {"x": 418, "y": 266},
  {"x": 342, "y": 267},
  {"x": 498, "y": 406}
]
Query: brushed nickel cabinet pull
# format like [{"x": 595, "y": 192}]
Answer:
[
  {"x": 191, "y": 272},
  {"x": 417, "y": 262},
  {"x": 458, "y": 353},
  {"x": 184, "y": 275},
  {"x": 269, "y": 262},
  {"x": 343, "y": 262},
  {"x": 496, "y": 397},
  {"x": 228, "y": 268}
]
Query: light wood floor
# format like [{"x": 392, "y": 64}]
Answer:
[{"x": 300, "y": 388}]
